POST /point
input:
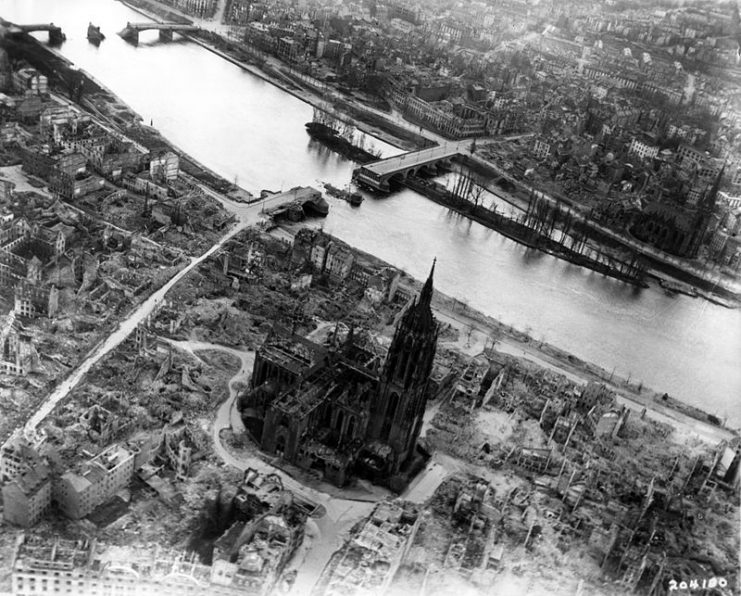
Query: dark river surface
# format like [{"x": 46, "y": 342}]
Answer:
[{"x": 246, "y": 129}]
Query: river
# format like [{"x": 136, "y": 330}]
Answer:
[{"x": 249, "y": 131}]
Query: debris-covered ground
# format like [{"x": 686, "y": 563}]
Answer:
[
  {"x": 209, "y": 305},
  {"x": 566, "y": 463},
  {"x": 133, "y": 396},
  {"x": 189, "y": 221},
  {"x": 134, "y": 390},
  {"x": 120, "y": 243},
  {"x": 77, "y": 296},
  {"x": 549, "y": 486}
]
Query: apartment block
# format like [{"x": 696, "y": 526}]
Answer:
[
  {"x": 78, "y": 493},
  {"x": 28, "y": 496}
]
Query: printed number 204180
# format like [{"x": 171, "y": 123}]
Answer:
[{"x": 697, "y": 584}]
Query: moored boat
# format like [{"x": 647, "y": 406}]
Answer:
[
  {"x": 352, "y": 197},
  {"x": 333, "y": 139},
  {"x": 320, "y": 130},
  {"x": 677, "y": 287}
]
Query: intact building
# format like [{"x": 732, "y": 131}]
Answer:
[
  {"x": 343, "y": 409},
  {"x": 28, "y": 496},
  {"x": 79, "y": 493},
  {"x": 25, "y": 476}
]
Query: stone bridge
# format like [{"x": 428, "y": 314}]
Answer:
[
  {"x": 377, "y": 175},
  {"x": 132, "y": 30},
  {"x": 56, "y": 35}
]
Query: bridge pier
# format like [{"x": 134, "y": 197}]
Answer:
[
  {"x": 56, "y": 35},
  {"x": 130, "y": 34},
  {"x": 165, "y": 34}
]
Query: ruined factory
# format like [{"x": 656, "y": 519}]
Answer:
[{"x": 340, "y": 409}]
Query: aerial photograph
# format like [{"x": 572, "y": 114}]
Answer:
[{"x": 370, "y": 297}]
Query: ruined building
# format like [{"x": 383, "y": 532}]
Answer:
[
  {"x": 340, "y": 409},
  {"x": 178, "y": 447},
  {"x": 253, "y": 552},
  {"x": 25, "y": 249},
  {"x": 369, "y": 559},
  {"x": 83, "y": 566},
  {"x": 17, "y": 354}
]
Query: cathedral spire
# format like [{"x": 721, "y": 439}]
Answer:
[{"x": 425, "y": 297}]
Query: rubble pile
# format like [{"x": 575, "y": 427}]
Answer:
[
  {"x": 136, "y": 390},
  {"x": 258, "y": 280},
  {"x": 601, "y": 487},
  {"x": 555, "y": 487}
]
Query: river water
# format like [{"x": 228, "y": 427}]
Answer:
[{"x": 248, "y": 130}]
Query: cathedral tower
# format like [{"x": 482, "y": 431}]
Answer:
[{"x": 397, "y": 417}]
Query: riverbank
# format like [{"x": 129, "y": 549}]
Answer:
[
  {"x": 102, "y": 103},
  {"x": 658, "y": 262},
  {"x": 482, "y": 331},
  {"x": 523, "y": 234},
  {"x": 270, "y": 71},
  {"x": 605, "y": 239},
  {"x": 521, "y": 344},
  {"x": 372, "y": 122},
  {"x": 385, "y": 131},
  {"x": 236, "y": 206},
  {"x": 149, "y": 136}
]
